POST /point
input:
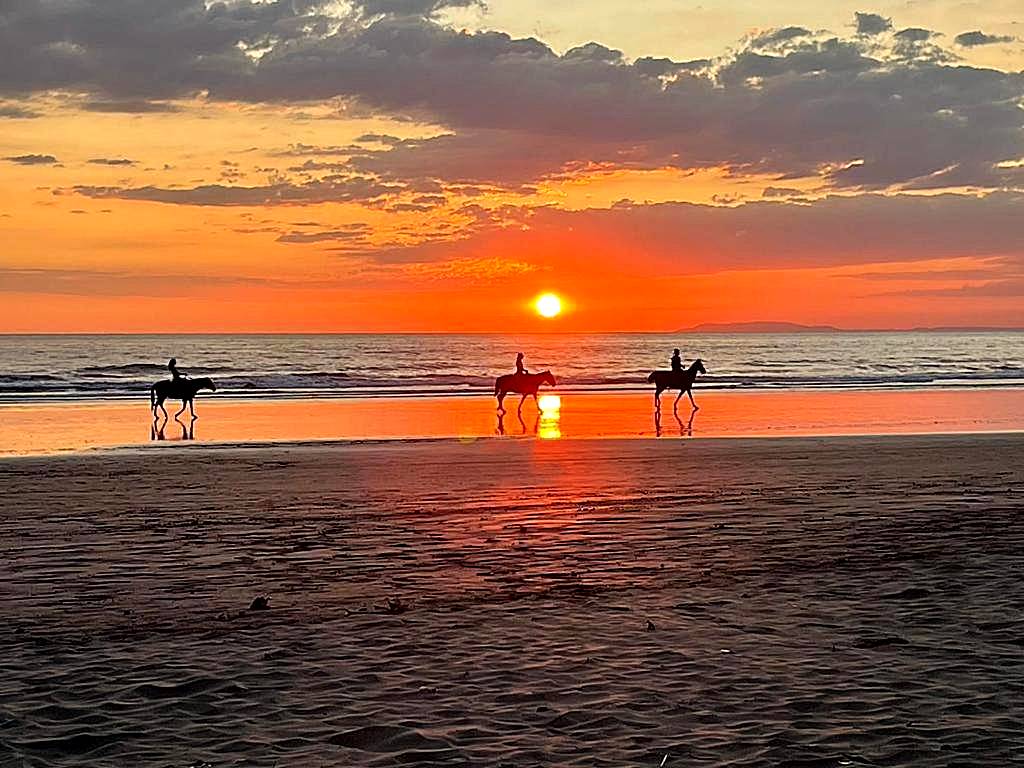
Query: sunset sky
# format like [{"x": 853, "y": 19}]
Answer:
[{"x": 433, "y": 165}]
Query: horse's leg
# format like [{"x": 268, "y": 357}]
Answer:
[
  {"x": 184, "y": 405},
  {"x": 657, "y": 399},
  {"x": 192, "y": 408},
  {"x": 521, "y": 401},
  {"x": 675, "y": 405},
  {"x": 160, "y": 405},
  {"x": 501, "y": 400},
  {"x": 695, "y": 406}
]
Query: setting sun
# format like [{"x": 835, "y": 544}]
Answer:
[{"x": 548, "y": 305}]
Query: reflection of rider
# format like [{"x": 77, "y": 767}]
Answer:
[
  {"x": 520, "y": 370},
  {"x": 172, "y": 366},
  {"x": 677, "y": 363}
]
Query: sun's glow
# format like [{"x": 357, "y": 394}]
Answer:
[{"x": 548, "y": 305}]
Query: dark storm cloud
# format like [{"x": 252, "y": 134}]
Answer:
[
  {"x": 971, "y": 39},
  {"x": 32, "y": 159},
  {"x": 872, "y": 114},
  {"x": 815, "y": 109},
  {"x": 871, "y": 23}
]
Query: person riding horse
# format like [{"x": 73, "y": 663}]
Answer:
[
  {"x": 172, "y": 366},
  {"x": 677, "y": 362},
  {"x": 520, "y": 370},
  {"x": 677, "y": 378},
  {"x": 522, "y": 382},
  {"x": 179, "y": 387}
]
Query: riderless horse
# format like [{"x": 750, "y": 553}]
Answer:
[
  {"x": 182, "y": 389},
  {"x": 681, "y": 380},
  {"x": 525, "y": 384}
]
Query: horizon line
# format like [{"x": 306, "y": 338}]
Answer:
[{"x": 739, "y": 331}]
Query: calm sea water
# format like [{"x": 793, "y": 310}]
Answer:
[{"x": 45, "y": 368}]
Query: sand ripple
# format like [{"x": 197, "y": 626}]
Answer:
[{"x": 799, "y": 603}]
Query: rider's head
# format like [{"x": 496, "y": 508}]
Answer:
[
  {"x": 675, "y": 351},
  {"x": 519, "y": 356},
  {"x": 172, "y": 361}
]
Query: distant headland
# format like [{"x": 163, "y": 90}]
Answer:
[
  {"x": 760, "y": 327},
  {"x": 783, "y": 327}
]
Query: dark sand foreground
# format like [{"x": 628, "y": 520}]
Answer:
[{"x": 801, "y": 602}]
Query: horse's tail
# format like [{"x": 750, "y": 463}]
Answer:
[
  {"x": 152, "y": 397},
  {"x": 652, "y": 377},
  {"x": 497, "y": 387}
]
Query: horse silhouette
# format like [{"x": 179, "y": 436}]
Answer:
[
  {"x": 525, "y": 384},
  {"x": 681, "y": 380},
  {"x": 182, "y": 389}
]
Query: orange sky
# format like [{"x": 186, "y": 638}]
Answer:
[{"x": 766, "y": 183}]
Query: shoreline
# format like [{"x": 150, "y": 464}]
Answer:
[
  {"x": 396, "y": 393},
  {"x": 44, "y": 429}
]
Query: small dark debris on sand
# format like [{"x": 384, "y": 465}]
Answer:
[
  {"x": 394, "y": 606},
  {"x": 910, "y": 593},
  {"x": 259, "y": 603}
]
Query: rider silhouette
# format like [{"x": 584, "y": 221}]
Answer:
[
  {"x": 520, "y": 370},
  {"x": 172, "y": 366},
  {"x": 677, "y": 363}
]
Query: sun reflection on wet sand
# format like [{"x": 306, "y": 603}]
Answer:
[
  {"x": 78, "y": 426},
  {"x": 548, "y": 424}
]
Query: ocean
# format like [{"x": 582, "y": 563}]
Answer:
[{"x": 57, "y": 368}]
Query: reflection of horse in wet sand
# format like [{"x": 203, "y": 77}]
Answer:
[
  {"x": 525, "y": 384},
  {"x": 188, "y": 431},
  {"x": 681, "y": 380},
  {"x": 182, "y": 389},
  {"x": 685, "y": 430}
]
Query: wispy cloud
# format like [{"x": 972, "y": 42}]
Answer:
[{"x": 32, "y": 159}]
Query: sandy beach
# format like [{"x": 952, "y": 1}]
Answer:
[{"x": 805, "y": 602}]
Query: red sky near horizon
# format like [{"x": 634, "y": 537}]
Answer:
[{"x": 434, "y": 165}]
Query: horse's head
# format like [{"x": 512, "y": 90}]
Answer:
[
  {"x": 547, "y": 378},
  {"x": 698, "y": 365},
  {"x": 204, "y": 383}
]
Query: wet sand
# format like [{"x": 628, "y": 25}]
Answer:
[
  {"x": 800, "y": 602},
  {"x": 78, "y": 426}
]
